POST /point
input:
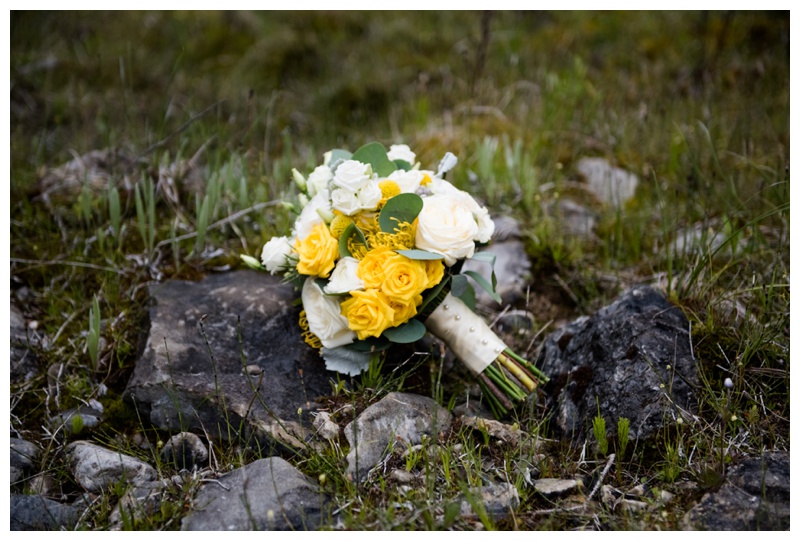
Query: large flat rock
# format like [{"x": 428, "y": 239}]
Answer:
[{"x": 224, "y": 356}]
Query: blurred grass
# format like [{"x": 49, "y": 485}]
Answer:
[{"x": 219, "y": 106}]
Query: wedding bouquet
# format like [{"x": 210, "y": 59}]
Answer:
[{"x": 377, "y": 250}]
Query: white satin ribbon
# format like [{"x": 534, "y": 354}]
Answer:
[{"x": 465, "y": 333}]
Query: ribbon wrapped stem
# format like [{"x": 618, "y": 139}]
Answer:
[{"x": 504, "y": 377}]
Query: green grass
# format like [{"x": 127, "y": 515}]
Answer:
[{"x": 213, "y": 110}]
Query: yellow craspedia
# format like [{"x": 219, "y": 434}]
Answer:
[
  {"x": 404, "y": 278},
  {"x": 389, "y": 188},
  {"x": 339, "y": 223},
  {"x": 368, "y": 313},
  {"x": 317, "y": 253},
  {"x": 434, "y": 269}
]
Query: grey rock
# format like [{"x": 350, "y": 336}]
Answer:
[
  {"x": 193, "y": 374},
  {"x": 268, "y": 494},
  {"x": 555, "y": 488},
  {"x": 30, "y": 513},
  {"x": 24, "y": 456},
  {"x": 398, "y": 416},
  {"x": 631, "y": 359},
  {"x": 573, "y": 218},
  {"x": 610, "y": 184},
  {"x": 497, "y": 499},
  {"x": 185, "y": 451},
  {"x": 96, "y": 468},
  {"x": 755, "y": 496}
]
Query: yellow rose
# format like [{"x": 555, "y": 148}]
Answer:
[
  {"x": 404, "y": 278},
  {"x": 434, "y": 268},
  {"x": 317, "y": 252},
  {"x": 404, "y": 311},
  {"x": 371, "y": 268},
  {"x": 368, "y": 313}
]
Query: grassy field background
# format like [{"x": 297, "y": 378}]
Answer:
[{"x": 221, "y": 106}]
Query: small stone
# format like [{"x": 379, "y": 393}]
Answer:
[
  {"x": 77, "y": 420},
  {"x": 24, "y": 456},
  {"x": 96, "y": 468},
  {"x": 325, "y": 427},
  {"x": 610, "y": 184},
  {"x": 254, "y": 370},
  {"x": 185, "y": 451},
  {"x": 402, "y": 476},
  {"x": 631, "y": 505},
  {"x": 555, "y": 488},
  {"x": 42, "y": 484},
  {"x": 497, "y": 499}
]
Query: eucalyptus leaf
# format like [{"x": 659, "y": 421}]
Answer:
[
  {"x": 488, "y": 257},
  {"x": 432, "y": 294},
  {"x": 481, "y": 281},
  {"x": 422, "y": 255},
  {"x": 404, "y": 207},
  {"x": 459, "y": 284},
  {"x": 403, "y": 165},
  {"x": 410, "y": 331},
  {"x": 468, "y": 297},
  {"x": 345, "y": 360},
  {"x": 339, "y": 154},
  {"x": 348, "y": 232},
  {"x": 375, "y": 154}
]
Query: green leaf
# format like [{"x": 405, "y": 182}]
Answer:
[
  {"x": 487, "y": 257},
  {"x": 404, "y": 207},
  {"x": 485, "y": 285},
  {"x": 339, "y": 154},
  {"x": 459, "y": 286},
  {"x": 348, "y": 232},
  {"x": 375, "y": 154},
  {"x": 410, "y": 331},
  {"x": 433, "y": 293},
  {"x": 468, "y": 297},
  {"x": 422, "y": 255},
  {"x": 403, "y": 165}
]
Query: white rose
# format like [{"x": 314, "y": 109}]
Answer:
[
  {"x": 446, "y": 226},
  {"x": 310, "y": 217},
  {"x": 402, "y": 152},
  {"x": 408, "y": 181},
  {"x": 352, "y": 175},
  {"x": 344, "y": 278},
  {"x": 324, "y": 316},
  {"x": 485, "y": 224},
  {"x": 369, "y": 196},
  {"x": 275, "y": 253},
  {"x": 318, "y": 179},
  {"x": 345, "y": 201}
]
